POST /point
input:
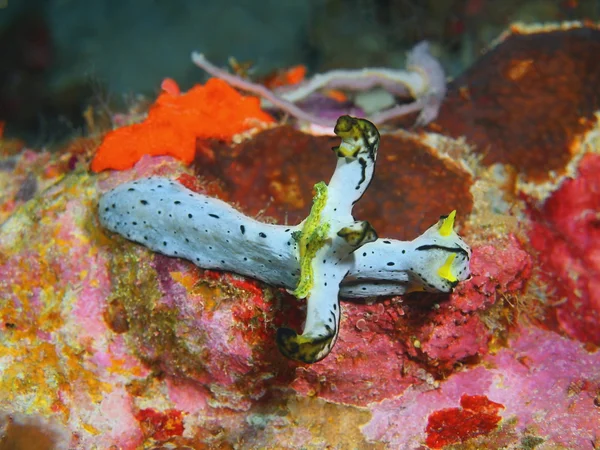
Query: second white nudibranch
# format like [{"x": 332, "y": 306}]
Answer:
[{"x": 327, "y": 255}]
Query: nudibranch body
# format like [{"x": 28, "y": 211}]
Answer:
[{"x": 326, "y": 255}]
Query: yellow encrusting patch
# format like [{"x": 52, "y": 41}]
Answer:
[
  {"x": 44, "y": 364},
  {"x": 312, "y": 238},
  {"x": 445, "y": 271},
  {"x": 448, "y": 224}
]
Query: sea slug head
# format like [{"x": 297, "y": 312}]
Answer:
[
  {"x": 441, "y": 258},
  {"x": 359, "y": 138}
]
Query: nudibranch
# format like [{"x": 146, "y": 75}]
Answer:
[{"x": 327, "y": 255}]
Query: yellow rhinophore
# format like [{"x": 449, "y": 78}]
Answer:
[
  {"x": 448, "y": 224},
  {"x": 445, "y": 271}
]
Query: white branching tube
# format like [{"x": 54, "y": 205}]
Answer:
[
  {"x": 326, "y": 255},
  {"x": 424, "y": 79}
]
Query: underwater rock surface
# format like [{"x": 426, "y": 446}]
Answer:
[{"x": 104, "y": 343}]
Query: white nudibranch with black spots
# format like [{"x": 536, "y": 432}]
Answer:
[{"x": 327, "y": 255}]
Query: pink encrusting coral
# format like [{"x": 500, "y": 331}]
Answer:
[
  {"x": 453, "y": 330},
  {"x": 53, "y": 334},
  {"x": 566, "y": 233},
  {"x": 546, "y": 384}
]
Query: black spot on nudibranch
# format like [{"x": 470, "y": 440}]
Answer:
[
  {"x": 386, "y": 242},
  {"x": 242, "y": 229},
  {"x": 164, "y": 243},
  {"x": 212, "y": 215},
  {"x": 391, "y": 263},
  {"x": 190, "y": 216},
  {"x": 143, "y": 202},
  {"x": 262, "y": 235},
  {"x": 131, "y": 189},
  {"x": 177, "y": 202}
]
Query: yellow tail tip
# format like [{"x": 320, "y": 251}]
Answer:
[
  {"x": 448, "y": 224},
  {"x": 445, "y": 271},
  {"x": 301, "y": 348}
]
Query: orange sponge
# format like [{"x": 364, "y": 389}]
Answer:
[{"x": 175, "y": 121}]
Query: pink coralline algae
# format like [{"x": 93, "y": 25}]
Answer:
[
  {"x": 566, "y": 233},
  {"x": 453, "y": 330},
  {"x": 546, "y": 384}
]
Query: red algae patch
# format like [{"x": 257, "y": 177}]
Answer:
[
  {"x": 477, "y": 416},
  {"x": 526, "y": 101},
  {"x": 175, "y": 121},
  {"x": 160, "y": 425}
]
